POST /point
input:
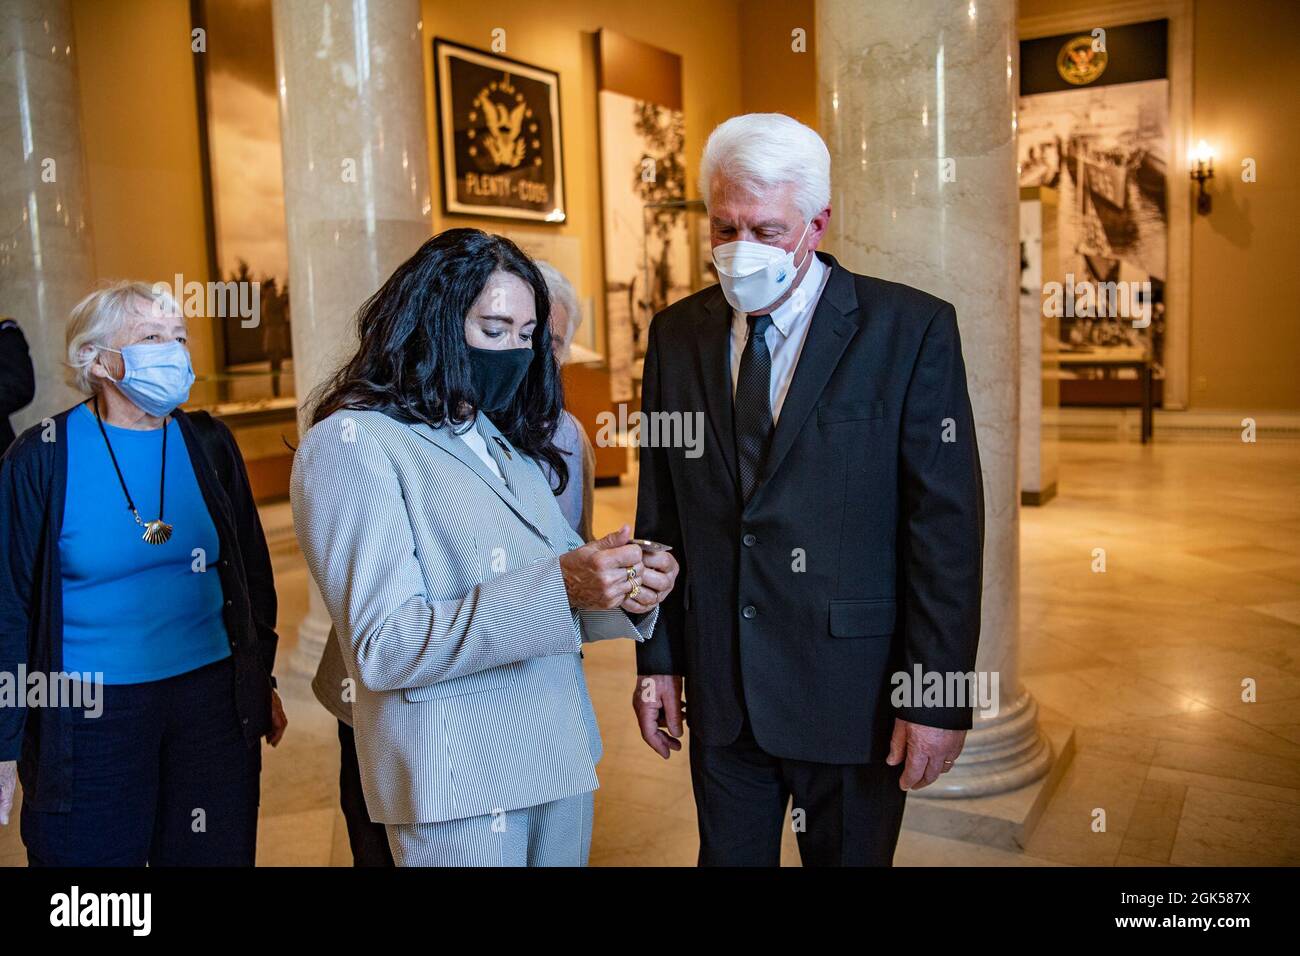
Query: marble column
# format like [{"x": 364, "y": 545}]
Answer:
[
  {"x": 46, "y": 257},
  {"x": 1040, "y": 341},
  {"x": 917, "y": 104},
  {"x": 356, "y": 181}
]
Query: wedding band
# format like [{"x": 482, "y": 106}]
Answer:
[
  {"x": 636, "y": 589},
  {"x": 631, "y": 574}
]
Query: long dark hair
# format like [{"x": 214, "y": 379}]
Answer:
[{"x": 413, "y": 363}]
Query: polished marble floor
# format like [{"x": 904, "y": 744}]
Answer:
[{"x": 1147, "y": 660}]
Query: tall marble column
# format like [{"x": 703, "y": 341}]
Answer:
[
  {"x": 46, "y": 258},
  {"x": 918, "y": 107},
  {"x": 356, "y": 180}
]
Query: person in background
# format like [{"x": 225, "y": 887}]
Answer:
[
  {"x": 134, "y": 560},
  {"x": 570, "y": 437},
  {"x": 17, "y": 378},
  {"x": 367, "y": 839}
]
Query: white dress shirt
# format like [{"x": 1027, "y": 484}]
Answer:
[
  {"x": 785, "y": 336},
  {"x": 475, "y": 440}
]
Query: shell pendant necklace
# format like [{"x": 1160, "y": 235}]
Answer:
[{"x": 156, "y": 531}]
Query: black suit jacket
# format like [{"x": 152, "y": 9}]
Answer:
[
  {"x": 17, "y": 379},
  {"x": 859, "y": 553}
]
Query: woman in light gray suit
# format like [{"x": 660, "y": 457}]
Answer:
[{"x": 459, "y": 594}]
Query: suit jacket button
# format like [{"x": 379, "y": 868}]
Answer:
[
  {"x": 750, "y": 612},
  {"x": 749, "y": 540}
]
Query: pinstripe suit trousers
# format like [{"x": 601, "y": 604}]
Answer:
[{"x": 550, "y": 834}]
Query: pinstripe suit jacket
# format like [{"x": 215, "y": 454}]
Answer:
[{"x": 445, "y": 591}]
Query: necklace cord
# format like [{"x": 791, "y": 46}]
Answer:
[{"x": 162, "y": 477}]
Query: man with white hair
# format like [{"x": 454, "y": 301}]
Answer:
[{"x": 829, "y": 537}]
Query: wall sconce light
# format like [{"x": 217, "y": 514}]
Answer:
[{"x": 1202, "y": 163}]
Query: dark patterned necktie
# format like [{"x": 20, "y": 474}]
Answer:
[{"x": 753, "y": 419}]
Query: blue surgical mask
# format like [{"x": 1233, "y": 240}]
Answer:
[{"x": 158, "y": 375}]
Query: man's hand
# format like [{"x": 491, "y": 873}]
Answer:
[
  {"x": 278, "y": 720},
  {"x": 657, "y": 702},
  {"x": 596, "y": 575},
  {"x": 8, "y": 787},
  {"x": 657, "y": 580},
  {"x": 929, "y": 751}
]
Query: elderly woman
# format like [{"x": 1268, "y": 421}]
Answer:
[
  {"x": 134, "y": 563},
  {"x": 460, "y": 596},
  {"x": 570, "y": 437}
]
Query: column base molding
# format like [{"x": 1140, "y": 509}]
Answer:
[
  {"x": 1003, "y": 782},
  {"x": 1001, "y": 754}
]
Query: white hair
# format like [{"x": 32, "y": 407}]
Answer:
[
  {"x": 769, "y": 149},
  {"x": 562, "y": 294},
  {"x": 96, "y": 320}
]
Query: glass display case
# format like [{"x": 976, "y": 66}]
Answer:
[{"x": 247, "y": 393}]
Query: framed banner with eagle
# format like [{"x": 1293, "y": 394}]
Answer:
[{"x": 499, "y": 133}]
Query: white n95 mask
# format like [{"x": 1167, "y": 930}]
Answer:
[{"x": 753, "y": 275}]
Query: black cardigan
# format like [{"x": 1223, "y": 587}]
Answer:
[{"x": 33, "y": 484}]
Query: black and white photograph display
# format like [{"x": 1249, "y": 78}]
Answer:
[{"x": 1103, "y": 144}]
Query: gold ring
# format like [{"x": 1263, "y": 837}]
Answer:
[
  {"x": 636, "y": 589},
  {"x": 631, "y": 573}
]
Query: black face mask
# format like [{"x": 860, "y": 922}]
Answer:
[{"x": 497, "y": 375}]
